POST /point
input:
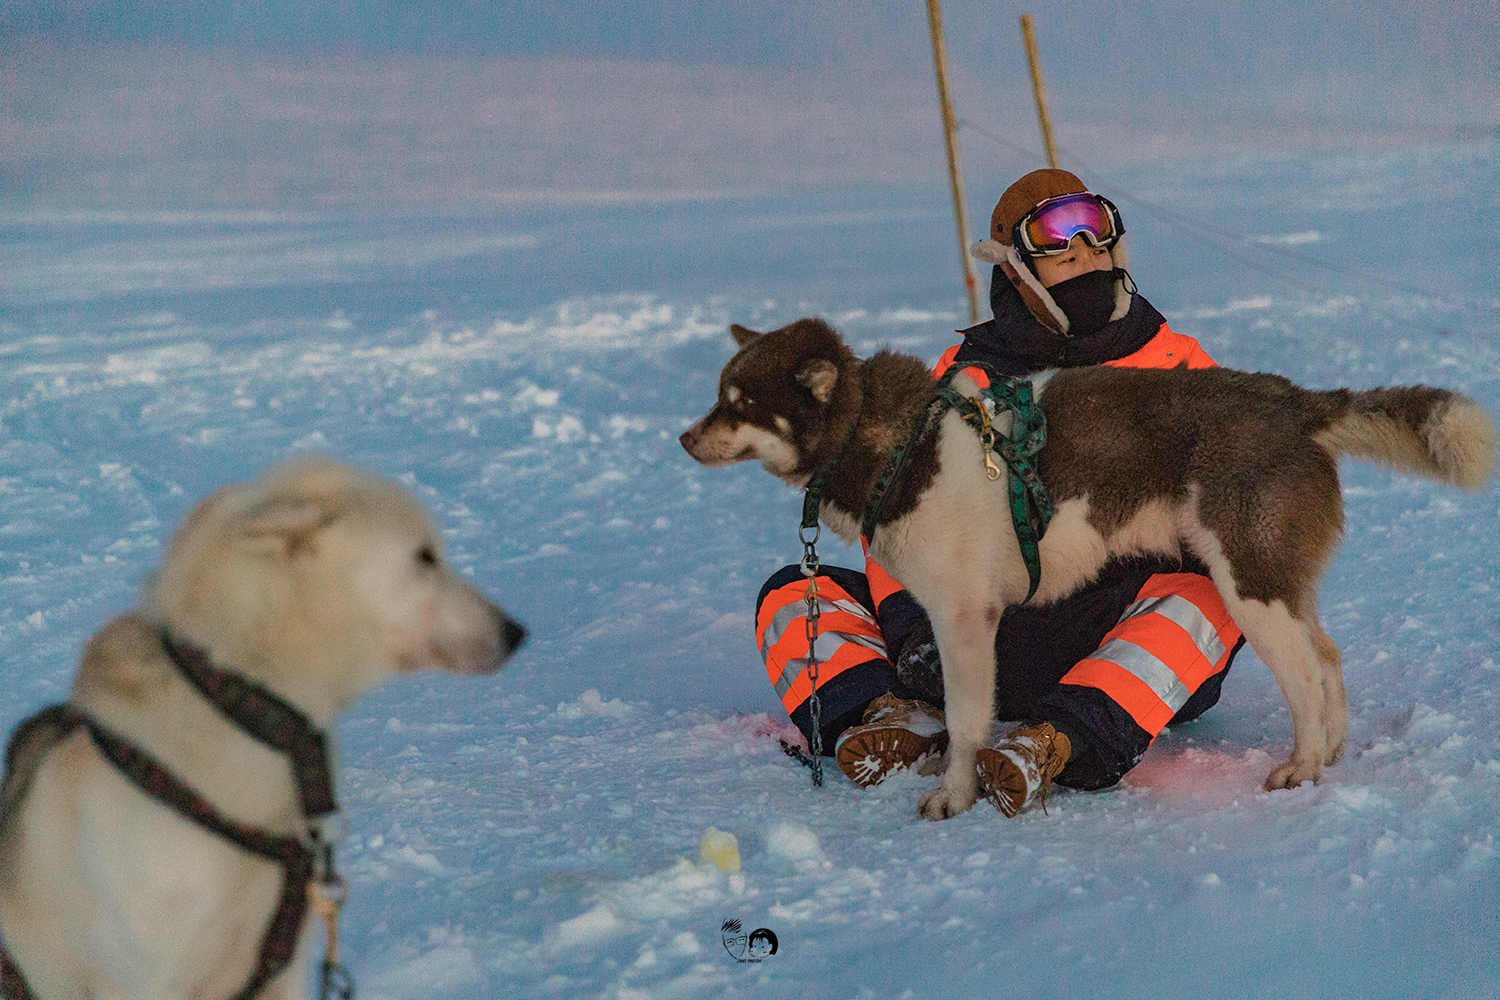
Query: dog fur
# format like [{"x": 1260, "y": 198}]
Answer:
[
  {"x": 1240, "y": 469},
  {"x": 317, "y": 580}
]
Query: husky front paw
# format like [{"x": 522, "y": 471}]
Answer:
[
  {"x": 947, "y": 801},
  {"x": 1291, "y": 774}
]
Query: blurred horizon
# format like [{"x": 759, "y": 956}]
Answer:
[{"x": 375, "y": 105}]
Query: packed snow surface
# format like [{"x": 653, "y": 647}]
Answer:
[{"x": 526, "y": 374}]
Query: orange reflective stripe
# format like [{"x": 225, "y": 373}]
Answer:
[
  {"x": 1166, "y": 350},
  {"x": 795, "y": 593},
  {"x": 882, "y": 584},
  {"x": 793, "y": 641},
  {"x": 847, "y": 636},
  {"x": 1174, "y": 637},
  {"x": 1124, "y": 689},
  {"x": 1205, "y": 596}
]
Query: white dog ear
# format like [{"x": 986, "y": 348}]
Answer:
[
  {"x": 293, "y": 520},
  {"x": 742, "y": 334},
  {"x": 819, "y": 377}
]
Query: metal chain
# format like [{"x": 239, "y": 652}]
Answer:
[
  {"x": 327, "y": 892},
  {"x": 810, "y": 570}
]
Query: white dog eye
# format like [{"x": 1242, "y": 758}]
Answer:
[{"x": 426, "y": 556}]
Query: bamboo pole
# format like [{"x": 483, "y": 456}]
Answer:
[
  {"x": 1037, "y": 89},
  {"x": 950, "y": 140}
]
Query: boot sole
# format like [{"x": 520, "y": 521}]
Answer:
[
  {"x": 871, "y": 757},
  {"x": 993, "y": 765}
]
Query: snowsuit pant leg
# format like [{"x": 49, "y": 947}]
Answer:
[
  {"x": 1162, "y": 663},
  {"x": 852, "y": 666}
]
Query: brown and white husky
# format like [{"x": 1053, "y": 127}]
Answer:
[{"x": 1239, "y": 469}]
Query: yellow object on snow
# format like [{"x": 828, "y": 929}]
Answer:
[{"x": 720, "y": 849}]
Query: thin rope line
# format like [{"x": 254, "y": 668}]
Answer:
[{"x": 1197, "y": 228}]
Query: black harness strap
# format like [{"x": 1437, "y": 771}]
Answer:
[
  {"x": 265, "y": 716},
  {"x": 280, "y": 940},
  {"x": 895, "y": 465},
  {"x": 270, "y": 720}
]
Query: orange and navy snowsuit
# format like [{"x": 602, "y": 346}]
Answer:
[{"x": 1144, "y": 646}]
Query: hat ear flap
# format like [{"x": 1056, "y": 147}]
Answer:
[{"x": 1038, "y": 300}]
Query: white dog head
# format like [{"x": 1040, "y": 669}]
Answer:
[{"x": 324, "y": 580}]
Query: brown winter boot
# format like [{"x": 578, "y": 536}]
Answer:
[
  {"x": 896, "y": 734},
  {"x": 1019, "y": 768}
]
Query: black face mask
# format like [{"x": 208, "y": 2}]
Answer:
[{"x": 1087, "y": 301}]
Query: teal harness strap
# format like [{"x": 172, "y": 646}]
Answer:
[
  {"x": 1030, "y": 507},
  {"x": 894, "y": 466}
]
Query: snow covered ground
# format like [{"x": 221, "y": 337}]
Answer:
[{"x": 527, "y": 373}]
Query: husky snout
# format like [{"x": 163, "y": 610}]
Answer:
[
  {"x": 716, "y": 442},
  {"x": 690, "y": 438},
  {"x": 504, "y": 636},
  {"x": 483, "y": 648}
]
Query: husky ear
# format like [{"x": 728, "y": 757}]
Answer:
[
  {"x": 742, "y": 334},
  {"x": 291, "y": 520},
  {"x": 819, "y": 377}
]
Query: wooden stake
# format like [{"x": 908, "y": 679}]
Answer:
[
  {"x": 950, "y": 139},
  {"x": 1036, "y": 88}
]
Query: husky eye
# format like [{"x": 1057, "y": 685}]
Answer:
[
  {"x": 737, "y": 400},
  {"x": 426, "y": 556}
]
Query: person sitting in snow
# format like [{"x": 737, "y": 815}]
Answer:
[{"x": 1092, "y": 678}]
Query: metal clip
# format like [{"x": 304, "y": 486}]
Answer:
[
  {"x": 328, "y": 830},
  {"x": 326, "y": 897},
  {"x": 987, "y": 443}
]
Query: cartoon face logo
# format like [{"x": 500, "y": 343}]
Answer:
[
  {"x": 735, "y": 939},
  {"x": 756, "y": 946},
  {"x": 762, "y": 943}
]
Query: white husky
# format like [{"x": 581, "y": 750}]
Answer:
[{"x": 311, "y": 584}]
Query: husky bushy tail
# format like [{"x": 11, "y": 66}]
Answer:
[{"x": 1416, "y": 429}]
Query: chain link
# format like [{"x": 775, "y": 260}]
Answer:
[{"x": 810, "y": 570}]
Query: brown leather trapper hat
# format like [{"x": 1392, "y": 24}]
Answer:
[{"x": 1026, "y": 194}]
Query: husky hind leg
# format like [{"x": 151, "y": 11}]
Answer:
[
  {"x": 1286, "y": 646},
  {"x": 1335, "y": 698}
]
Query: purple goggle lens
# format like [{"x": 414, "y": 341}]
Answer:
[{"x": 1049, "y": 228}]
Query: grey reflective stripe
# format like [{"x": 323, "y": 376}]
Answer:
[
  {"x": 797, "y": 610},
  {"x": 1186, "y": 615},
  {"x": 1149, "y": 670},
  {"x": 825, "y": 646}
]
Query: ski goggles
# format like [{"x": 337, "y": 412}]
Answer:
[{"x": 1049, "y": 228}]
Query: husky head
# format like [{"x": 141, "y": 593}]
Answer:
[
  {"x": 322, "y": 580},
  {"x": 787, "y": 400}
]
